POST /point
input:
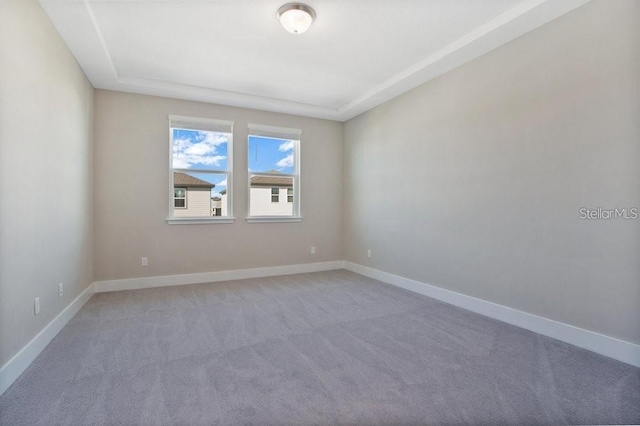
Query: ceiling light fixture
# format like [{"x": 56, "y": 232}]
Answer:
[{"x": 296, "y": 17}]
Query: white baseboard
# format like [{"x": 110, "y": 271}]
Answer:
[
  {"x": 209, "y": 277},
  {"x": 608, "y": 346},
  {"x": 20, "y": 361}
]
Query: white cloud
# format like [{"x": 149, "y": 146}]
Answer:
[
  {"x": 201, "y": 150},
  {"x": 286, "y": 161},
  {"x": 180, "y": 163},
  {"x": 212, "y": 138},
  {"x": 223, "y": 183},
  {"x": 287, "y": 146}
]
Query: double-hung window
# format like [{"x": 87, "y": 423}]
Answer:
[
  {"x": 274, "y": 174},
  {"x": 200, "y": 170}
]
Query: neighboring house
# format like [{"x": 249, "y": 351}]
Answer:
[
  {"x": 191, "y": 196},
  {"x": 216, "y": 206},
  {"x": 223, "y": 201},
  {"x": 271, "y": 196}
]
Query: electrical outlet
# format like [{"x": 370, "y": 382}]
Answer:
[
  {"x": 60, "y": 290},
  {"x": 368, "y": 253},
  {"x": 36, "y": 306},
  {"x": 313, "y": 250},
  {"x": 145, "y": 261}
]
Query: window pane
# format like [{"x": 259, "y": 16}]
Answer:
[
  {"x": 199, "y": 149},
  {"x": 273, "y": 169},
  {"x": 271, "y": 155},
  {"x": 206, "y": 194}
]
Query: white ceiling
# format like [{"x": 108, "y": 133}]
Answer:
[{"x": 356, "y": 55}]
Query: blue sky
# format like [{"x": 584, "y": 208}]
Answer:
[
  {"x": 195, "y": 149},
  {"x": 266, "y": 154}
]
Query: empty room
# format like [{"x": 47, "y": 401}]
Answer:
[{"x": 355, "y": 212}]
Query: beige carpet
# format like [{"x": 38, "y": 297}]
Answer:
[{"x": 322, "y": 348}]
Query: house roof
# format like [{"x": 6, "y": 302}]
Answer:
[
  {"x": 271, "y": 181},
  {"x": 183, "y": 179}
]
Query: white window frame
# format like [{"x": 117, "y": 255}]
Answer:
[
  {"x": 205, "y": 124},
  {"x": 276, "y": 132}
]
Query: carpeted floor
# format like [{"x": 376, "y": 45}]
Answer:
[{"x": 322, "y": 348}]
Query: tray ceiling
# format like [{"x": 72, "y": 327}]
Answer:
[{"x": 356, "y": 55}]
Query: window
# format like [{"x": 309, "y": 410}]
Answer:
[
  {"x": 274, "y": 166},
  {"x": 200, "y": 166},
  {"x": 180, "y": 198}
]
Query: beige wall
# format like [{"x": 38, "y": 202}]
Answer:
[
  {"x": 131, "y": 146},
  {"x": 45, "y": 174},
  {"x": 474, "y": 181}
]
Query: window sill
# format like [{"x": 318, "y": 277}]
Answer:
[
  {"x": 274, "y": 219},
  {"x": 199, "y": 220}
]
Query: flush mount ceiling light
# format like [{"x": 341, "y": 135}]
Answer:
[{"x": 296, "y": 17}]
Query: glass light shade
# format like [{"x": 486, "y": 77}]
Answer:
[{"x": 296, "y": 18}]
